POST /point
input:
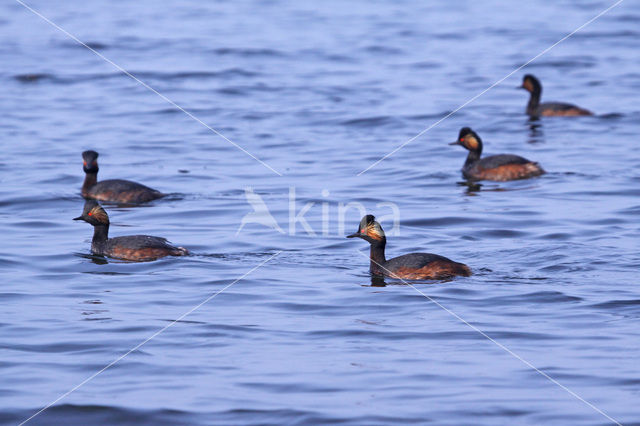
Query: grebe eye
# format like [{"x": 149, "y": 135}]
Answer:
[
  {"x": 84, "y": 163},
  {"x": 90, "y": 214},
  {"x": 461, "y": 139}
]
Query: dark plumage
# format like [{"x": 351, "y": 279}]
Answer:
[
  {"x": 537, "y": 109},
  {"x": 112, "y": 190},
  {"x": 413, "y": 266},
  {"x": 133, "y": 247},
  {"x": 502, "y": 167}
]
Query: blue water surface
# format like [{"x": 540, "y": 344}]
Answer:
[{"x": 545, "y": 331}]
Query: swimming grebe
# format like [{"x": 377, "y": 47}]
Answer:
[
  {"x": 536, "y": 109},
  {"x": 134, "y": 247},
  {"x": 112, "y": 190},
  {"x": 414, "y": 266},
  {"x": 500, "y": 168}
]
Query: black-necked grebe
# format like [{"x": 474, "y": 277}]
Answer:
[
  {"x": 547, "y": 109},
  {"x": 112, "y": 190},
  {"x": 500, "y": 168},
  {"x": 134, "y": 247},
  {"x": 414, "y": 266}
]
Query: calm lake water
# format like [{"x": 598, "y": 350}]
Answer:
[{"x": 319, "y": 92}]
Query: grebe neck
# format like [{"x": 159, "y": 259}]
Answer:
[
  {"x": 472, "y": 157},
  {"x": 534, "y": 101},
  {"x": 377, "y": 259},
  {"x": 100, "y": 234},
  {"x": 90, "y": 179}
]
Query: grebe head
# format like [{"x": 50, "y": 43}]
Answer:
[
  {"x": 90, "y": 161},
  {"x": 370, "y": 231},
  {"x": 531, "y": 84},
  {"x": 94, "y": 214},
  {"x": 469, "y": 139}
]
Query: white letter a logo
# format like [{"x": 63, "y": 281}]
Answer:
[{"x": 260, "y": 213}]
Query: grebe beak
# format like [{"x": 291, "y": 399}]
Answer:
[
  {"x": 78, "y": 218},
  {"x": 456, "y": 143},
  {"x": 356, "y": 235}
]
